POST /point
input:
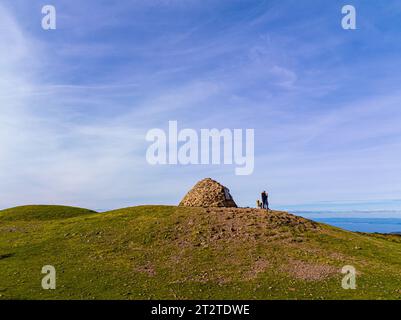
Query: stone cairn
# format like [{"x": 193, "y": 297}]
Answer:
[{"x": 208, "y": 193}]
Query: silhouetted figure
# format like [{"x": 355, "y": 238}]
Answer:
[{"x": 265, "y": 200}]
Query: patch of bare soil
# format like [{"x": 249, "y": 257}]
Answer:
[
  {"x": 206, "y": 276},
  {"x": 12, "y": 229},
  {"x": 259, "y": 266},
  {"x": 213, "y": 225},
  {"x": 146, "y": 269},
  {"x": 308, "y": 271}
]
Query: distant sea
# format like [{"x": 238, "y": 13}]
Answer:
[{"x": 361, "y": 221}]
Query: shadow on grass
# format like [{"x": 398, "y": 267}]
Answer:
[{"x": 6, "y": 255}]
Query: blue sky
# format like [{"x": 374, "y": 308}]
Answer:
[{"x": 76, "y": 102}]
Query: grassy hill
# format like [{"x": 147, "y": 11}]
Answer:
[
  {"x": 165, "y": 252},
  {"x": 42, "y": 212}
]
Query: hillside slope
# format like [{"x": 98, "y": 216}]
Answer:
[{"x": 164, "y": 252}]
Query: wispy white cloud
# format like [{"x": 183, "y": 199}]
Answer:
[{"x": 73, "y": 121}]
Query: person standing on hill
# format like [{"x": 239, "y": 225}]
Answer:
[{"x": 265, "y": 200}]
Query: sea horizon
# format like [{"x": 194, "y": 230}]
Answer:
[{"x": 372, "y": 221}]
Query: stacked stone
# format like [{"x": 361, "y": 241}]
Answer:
[{"x": 208, "y": 193}]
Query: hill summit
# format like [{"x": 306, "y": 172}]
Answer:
[
  {"x": 208, "y": 193},
  {"x": 168, "y": 252}
]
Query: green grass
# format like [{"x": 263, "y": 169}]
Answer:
[
  {"x": 165, "y": 252},
  {"x": 31, "y": 213}
]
